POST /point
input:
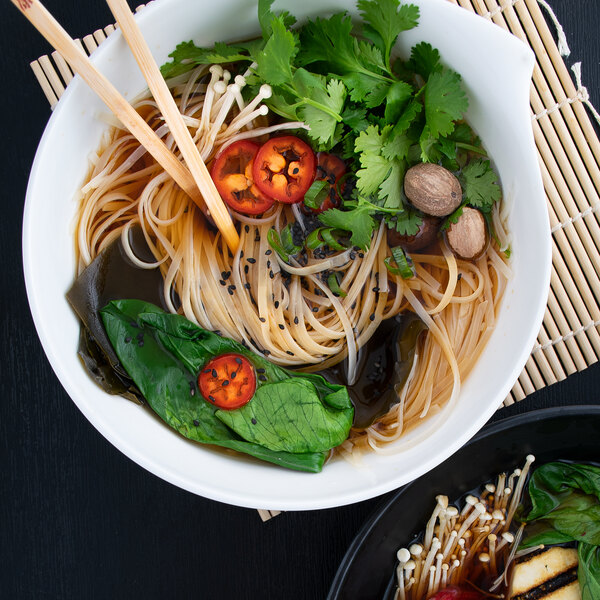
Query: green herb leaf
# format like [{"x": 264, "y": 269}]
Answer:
[
  {"x": 266, "y": 16},
  {"x": 588, "y": 572},
  {"x": 385, "y": 19},
  {"x": 398, "y": 95},
  {"x": 405, "y": 222},
  {"x": 445, "y": 102},
  {"x": 425, "y": 59},
  {"x": 275, "y": 60},
  {"x": 480, "y": 185},
  {"x": 358, "y": 221}
]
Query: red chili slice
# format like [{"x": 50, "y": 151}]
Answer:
[
  {"x": 330, "y": 168},
  {"x": 232, "y": 174},
  {"x": 228, "y": 381},
  {"x": 284, "y": 168}
]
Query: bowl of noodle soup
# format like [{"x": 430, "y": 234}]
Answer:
[{"x": 439, "y": 412}]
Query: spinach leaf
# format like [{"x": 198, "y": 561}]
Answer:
[
  {"x": 588, "y": 572},
  {"x": 163, "y": 354},
  {"x": 566, "y": 497}
]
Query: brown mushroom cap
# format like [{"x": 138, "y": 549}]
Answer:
[
  {"x": 468, "y": 237},
  {"x": 432, "y": 189}
]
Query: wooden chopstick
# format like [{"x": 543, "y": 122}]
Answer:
[
  {"x": 54, "y": 33},
  {"x": 141, "y": 51}
]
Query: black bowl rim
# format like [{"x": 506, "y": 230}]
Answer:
[{"x": 489, "y": 430}]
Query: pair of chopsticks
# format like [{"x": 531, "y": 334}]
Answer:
[{"x": 194, "y": 180}]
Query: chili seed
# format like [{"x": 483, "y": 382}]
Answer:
[
  {"x": 226, "y": 383},
  {"x": 206, "y": 371},
  {"x": 214, "y": 373},
  {"x": 238, "y": 360},
  {"x": 233, "y": 375},
  {"x": 211, "y": 398}
]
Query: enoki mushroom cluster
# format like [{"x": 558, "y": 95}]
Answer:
[{"x": 471, "y": 545}]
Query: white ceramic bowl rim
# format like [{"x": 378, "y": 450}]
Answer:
[{"x": 489, "y": 59}]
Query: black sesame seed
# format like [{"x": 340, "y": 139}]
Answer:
[
  {"x": 127, "y": 339},
  {"x": 246, "y": 228},
  {"x": 353, "y": 306},
  {"x": 361, "y": 255},
  {"x": 352, "y": 255},
  {"x": 140, "y": 337},
  {"x": 315, "y": 309},
  {"x": 247, "y": 286},
  {"x": 241, "y": 254},
  {"x": 375, "y": 289},
  {"x": 230, "y": 291},
  {"x": 289, "y": 352},
  {"x": 222, "y": 282},
  {"x": 141, "y": 343},
  {"x": 276, "y": 303},
  {"x": 271, "y": 275},
  {"x": 246, "y": 269},
  {"x": 266, "y": 352},
  {"x": 224, "y": 275},
  {"x": 206, "y": 371},
  {"x": 281, "y": 326},
  {"x": 196, "y": 423},
  {"x": 231, "y": 287},
  {"x": 268, "y": 264},
  {"x": 372, "y": 317},
  {"x": 253, "y": 421},
  {"x": 260, "y": 370},
  {"x": 262, "y": 319},
  {"x": 214, "y": 373},
  {"x": 233, "y": 375},
  {"x": 211, "y": 398},
  {"x": 296, "y": 320},
  {"x": 134, "y": 324},
  {"x": 459, "y": 277},
  {"x": 262, "y": 378},
  {"x": 251, "y": 260},
  {"x": 268, "y": 252}
]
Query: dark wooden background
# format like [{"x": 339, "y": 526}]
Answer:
[{"x": 79, "y": 520}]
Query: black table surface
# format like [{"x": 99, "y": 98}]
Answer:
[{"x": 80, "y": 520}]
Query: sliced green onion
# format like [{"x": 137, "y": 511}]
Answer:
[
  {"x": 403, "y": 264},
  {"x": 329, "y": 239},
  {"x": 284, "y": 247},
  {"x": 316, "y": 194},
  {"x": 313, "y": 239},
  {"x": 334, "y": 285}
]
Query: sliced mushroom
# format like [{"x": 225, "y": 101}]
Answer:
[
  {"x": 468, "y": 237},
  {"x": 432, "y": 189},
  {"x": 426, "y": 235}
]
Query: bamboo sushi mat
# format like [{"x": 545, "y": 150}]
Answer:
[{"x": 569, "y": 155}]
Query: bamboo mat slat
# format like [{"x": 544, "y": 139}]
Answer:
[{"x": 569, "y": 155}]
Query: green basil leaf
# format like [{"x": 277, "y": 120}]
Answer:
[{"x": 588, "y": 572}]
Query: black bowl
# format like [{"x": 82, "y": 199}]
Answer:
[{"x": 569, "y": 433}]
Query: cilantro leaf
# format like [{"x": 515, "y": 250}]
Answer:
[
  {"x": 374, "y": 170},
  {"x": 390, "y": 190},
  {"x": 411, "y": 112},
  {"x": 187, "y": 55},
  {"x": 425, "y": 59},
  {"x": 480, "y": 185},
  {"x": 358, "y": 221},
  {"x": 275, "y": 59},
  {"x": 355, "y": 117},
  {"x": 384, "y": 20},
  {"x": 396, "y": 147},
  {"x": 405, "y": 222},
  {"x": 445, "y": 101},
  {"x": 397, "y": 96},
  {"x": 266, "y": 16},
  {"x": 429, "y": 150}
]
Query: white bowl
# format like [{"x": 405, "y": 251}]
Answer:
[{"x": 496, "y": 68}]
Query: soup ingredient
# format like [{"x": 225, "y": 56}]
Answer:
[
  {"x": 467, "y": 237},
  {"x": 469, "y": 547},
  {"x": 293, "y": 419},
  {"x": 232, "y": 174},
  {"x": 425, "y": 235},
  {"x": 565, "y": 507},
  {"x": 330, "y": 169},
  {"x": 112, "y": 275},
  {"x": 432, "y": 189},
  {"x": 550, "y": 573},
  {"x": 284, "y": 168},
  {"x": 227, "y": 381}
]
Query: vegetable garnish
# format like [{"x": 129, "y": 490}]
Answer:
[
  {"x": 232, "y": 174},
  {"x": 330, "y": 170},
  {"x": 293, "y": 419},
  {"x": 284, "y": 168},
  {"x": 400, "y": 264},
  {"x": 381, "y": 113},
  {"x": 227, "y": 381}
]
